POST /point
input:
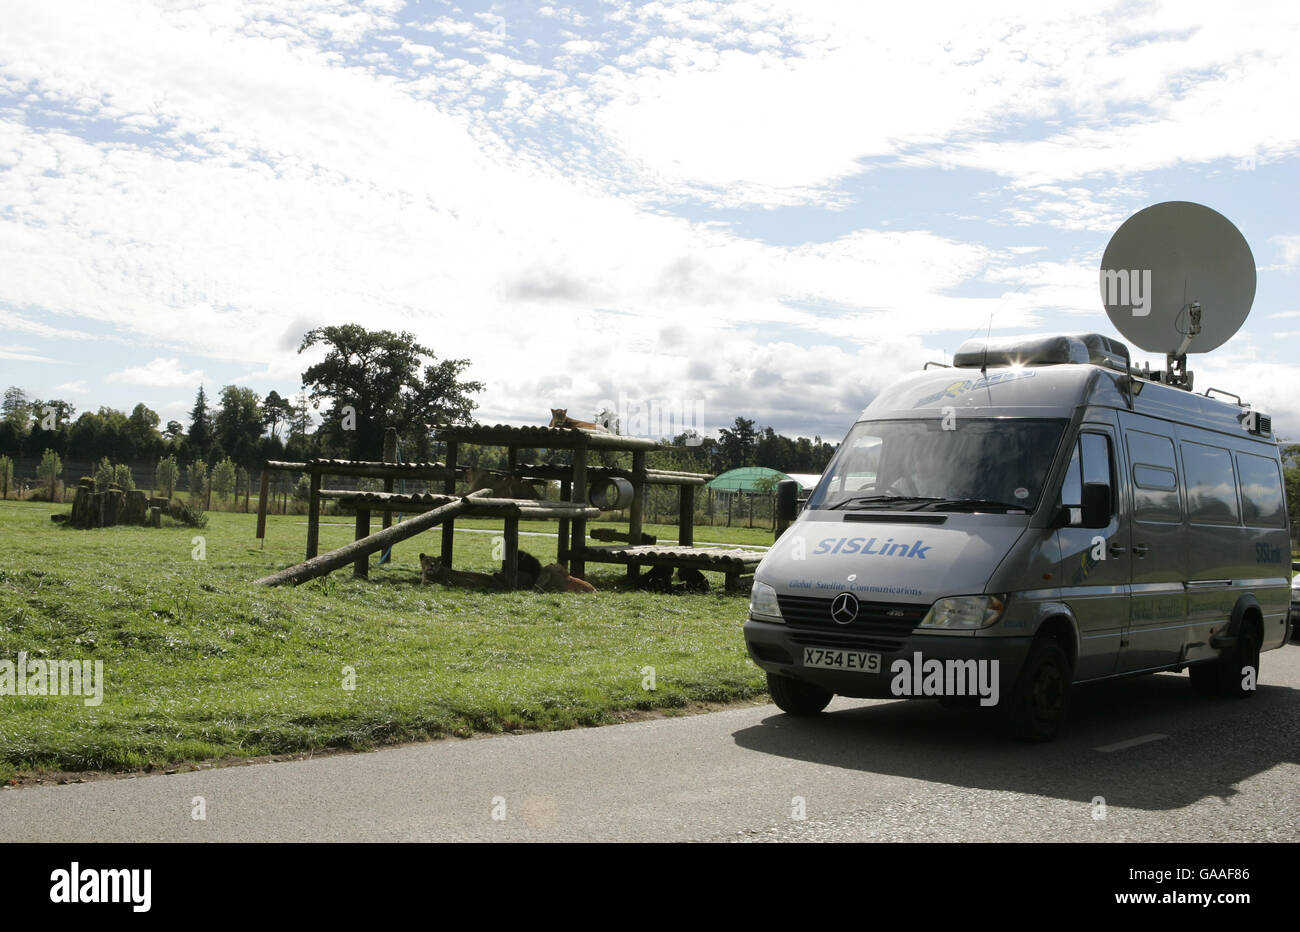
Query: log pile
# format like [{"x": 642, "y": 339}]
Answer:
[{"x": 113, "y": 506}]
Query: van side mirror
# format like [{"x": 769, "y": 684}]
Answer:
[
  {"x": 1096, "y": 506},
  {"x": 787, "y": 504}
]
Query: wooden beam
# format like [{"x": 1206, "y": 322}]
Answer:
[
  {"x": 578, "y": 495},
  {"x": 638, "y": 504},
  {"x": 313, "y": 517},
  {"x": 361, "y": 568},
  {"x": 328, "y": 562},
  {"x": 261, "y": 504},
  {"x": 510, "y": 569},
  {"x": 686, "y": 515},
  {"x": 562, "y": 546},
  {"x": 449, "y": 487}
]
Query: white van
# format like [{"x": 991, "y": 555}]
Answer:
[{"x": 1033, "y": 518}]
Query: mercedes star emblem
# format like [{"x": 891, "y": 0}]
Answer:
[{"x": 844, "y": 608}]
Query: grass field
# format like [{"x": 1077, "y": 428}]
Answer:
[{"x": 199, "y": 664}]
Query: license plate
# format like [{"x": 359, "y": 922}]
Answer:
[{"x": 858, "y": 661}]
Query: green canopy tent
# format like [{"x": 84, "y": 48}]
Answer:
[{"x": 755, "y": 483}]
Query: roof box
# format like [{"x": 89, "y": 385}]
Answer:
[{"x": 1049, "y": 350}]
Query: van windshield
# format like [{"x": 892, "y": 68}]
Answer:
[{"x": 975, "y": 464}]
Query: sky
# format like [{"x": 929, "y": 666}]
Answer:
[{"x": 764, "y": 209}]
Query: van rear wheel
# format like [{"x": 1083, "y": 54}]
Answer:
[
  {"x": 796, "y": 697},
  {"x": 1041, "y": 695},
  {"x": 1223, "y": 678}
]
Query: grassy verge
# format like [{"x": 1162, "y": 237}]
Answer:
[{"x": 199, "y": 664}]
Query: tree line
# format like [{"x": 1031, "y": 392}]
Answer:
[{"x": 366, "y": 382}]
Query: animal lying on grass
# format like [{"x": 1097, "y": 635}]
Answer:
[
  {"x": 555, "y": 578},
  {"x": 530, "y": 573}
]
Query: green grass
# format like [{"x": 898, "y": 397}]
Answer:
[{"x": 199, "y": 663}]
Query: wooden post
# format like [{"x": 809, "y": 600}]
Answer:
[
  {"x": 390, "y": 456},
  {"x": 361, "y": 568},
  {"x": 578, "y": 495},
  {"x": 686, "y": 515},
  {"x": 313, "y": 515},
  {"x": 449, "y": 486},
  {"x": 634, "y": 516},
  {"x": 262, "y": 491},
  {"x": 562, "y": 548},
  {"x": 511, "y": 568}
]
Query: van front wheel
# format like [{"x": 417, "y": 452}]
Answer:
[
  {"x": 796, "y": 697},
  {"x": 1038, "y": 702}
]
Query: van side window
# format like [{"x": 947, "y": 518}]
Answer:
[
  {"x": 1262, "y": 504},
  {"x": 1155, "y": 477},
  {"x": 1090, "y": 462},
  {"x": 1211, "y": 486},
  {"x": 1097, "y": 462}
]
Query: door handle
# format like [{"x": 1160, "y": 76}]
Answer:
[
  {"x": 1116, "y": 550},
  {"x": 1141, "y": 549}
]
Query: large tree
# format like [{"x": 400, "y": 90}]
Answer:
[
  {"x": 199, "y": 438},
  {"x": 238, "y": 423},
  {"x": 142, "y": 430},
  {"x": 276, "y": 410},
  {"x": 388, "y": 380}
]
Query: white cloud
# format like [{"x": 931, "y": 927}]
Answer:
[{"x": 160, "y": 373}]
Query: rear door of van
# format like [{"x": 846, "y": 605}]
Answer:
[{"x": 1158, "y": 609}]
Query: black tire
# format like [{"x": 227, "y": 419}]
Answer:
[
  {"x": 795, "y": 697},
  {"x": 1222, "y": 678},
  {"x": 959, "y": 702},
  {"x": 1039, "y": 701}
]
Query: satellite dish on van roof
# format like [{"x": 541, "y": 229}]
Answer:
[{"x": 1168, "y": 264}]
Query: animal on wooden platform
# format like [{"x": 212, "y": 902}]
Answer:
[
  {"x": 432, "y": 570},
  {"x": 560, "y": 418},
  {"x": 555, "y": 578},
  {"x": 527, "y": 570},
  {"x": 501, "y": 486}
]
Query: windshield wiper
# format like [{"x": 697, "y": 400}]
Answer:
[
  {"x": 881, "y": 500},
  {"x": 938, "y": 503}
]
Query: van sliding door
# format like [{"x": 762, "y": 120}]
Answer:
[{"x": 1158, "y": 613}]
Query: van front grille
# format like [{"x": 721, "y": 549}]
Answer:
[{"x": 884, "y": 624}]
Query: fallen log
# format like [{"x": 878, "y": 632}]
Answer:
[{"x": 349, "y": 553}]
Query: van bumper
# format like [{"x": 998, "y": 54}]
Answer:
[{"x": 774, "y": 648}]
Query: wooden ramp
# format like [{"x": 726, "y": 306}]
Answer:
[
  {"x": 731, "y": 562},
  {"x": 359, "y": 550}
]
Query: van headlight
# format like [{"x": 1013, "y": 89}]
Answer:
[
  {"x": 763, "y": 604},
  {"x": 964, "y": 611}
]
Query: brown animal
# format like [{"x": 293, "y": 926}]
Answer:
[
  {"x": 555, "y": 578},
  {"x": 501, "y": 486},
  {"x": 560, "y": 418},
  {"x": 432, "y": 570}
]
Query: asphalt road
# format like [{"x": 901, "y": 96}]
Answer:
[{"x": 1169, "y": 767}]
